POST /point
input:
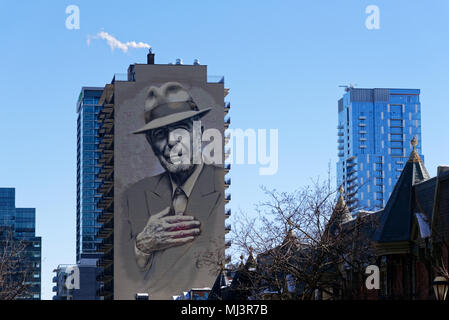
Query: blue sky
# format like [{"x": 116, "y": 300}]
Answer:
[{"x": 283, "y": 62}]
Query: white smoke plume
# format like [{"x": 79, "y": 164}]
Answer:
[{"x": 116, "y": 44}]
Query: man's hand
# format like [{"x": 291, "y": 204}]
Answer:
[{"x": 163, "y": 231}]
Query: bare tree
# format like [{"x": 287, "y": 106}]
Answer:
[
  {"x": 14, "y": 275},
  {"x": 306, "y": 244}
]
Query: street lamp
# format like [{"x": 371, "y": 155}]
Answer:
[{"x": 440, "y": 287}]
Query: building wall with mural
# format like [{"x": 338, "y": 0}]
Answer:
[{"x": 180, "y": 247}]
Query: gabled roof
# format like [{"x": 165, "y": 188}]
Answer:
[
  {"x": 398, "y": 214},
  {"x": 220, "y": 283}
]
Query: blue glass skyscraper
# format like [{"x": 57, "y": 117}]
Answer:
[
  {"x": 87, "y": 156},
  {"x": 19, "y": 225},
  {"x": 375, "y": 127}
]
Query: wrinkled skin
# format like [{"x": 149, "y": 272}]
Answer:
[{"x": 163, "y": 231}]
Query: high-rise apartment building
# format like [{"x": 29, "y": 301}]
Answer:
[
  {"x": 18, "y": 230},
  {"x": 87, "y": 109},
  {"x": 139, "y": 184},
  {"x": 87, "y": 227},
  {"x": 375, "y": 127}
]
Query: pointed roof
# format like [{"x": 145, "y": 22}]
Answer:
[
  {"x": 242, "y": 281},
  {"x": 290, "y": 238},
  {"x": 221, "y": 282},
  {"x": 341, "y": 212},
  {"x": 250, "y": 264},
  {"x": 340, "y": 215},
  {"x": 397, "y": 216}
]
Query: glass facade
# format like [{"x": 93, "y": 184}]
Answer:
[
  {"x": 375, "y": 127},
  {"x": 20, "y": 223},
  {"x": 87, "y": 156}
]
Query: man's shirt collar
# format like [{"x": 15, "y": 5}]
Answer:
[{"x": 188, "y": 185}]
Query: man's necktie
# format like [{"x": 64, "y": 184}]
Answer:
[{"x": 179, "y": 201}]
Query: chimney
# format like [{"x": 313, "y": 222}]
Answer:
[{"x": 150, "y": 57}]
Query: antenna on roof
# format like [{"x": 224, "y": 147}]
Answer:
[{"x": 348, "y": 87}]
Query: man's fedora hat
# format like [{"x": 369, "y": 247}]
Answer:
[{"x": 167, "y": 104}]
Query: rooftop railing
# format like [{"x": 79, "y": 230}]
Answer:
[{"x": 215, "y": 79}]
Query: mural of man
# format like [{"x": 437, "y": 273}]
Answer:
[{"x": 174, "y": 217}]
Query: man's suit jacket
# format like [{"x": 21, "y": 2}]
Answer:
[{"x": 177, "y": 269}]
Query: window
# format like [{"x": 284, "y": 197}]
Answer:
[
  {"x": 396, "y": 123},
  {"x": 396, "y": 144},
  {"x": 396, "y": 112}
]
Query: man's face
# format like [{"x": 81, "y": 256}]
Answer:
[{"x": 169, "y": 152}]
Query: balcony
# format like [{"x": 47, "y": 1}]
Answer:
[
  {"x": 227, "y": 123},
  {"x": 227, "y": 229},
  {"x": 340, "y": 134},
  {"x": 105, "y": 202},
  {"x": 227, "y": 138},
  {"x": 106, "y": 171},
  {"x": 106, "y": 157},
  {"x": 228, "y": 198},
  {"x": 227, "y": 108},
  {"x": 227, "y": 168},
  {"x": 341, "y": 140},
  {"x": 227, "y": 183},
  {"x": 105, "y": 247},
  {"x": 341, "y": 154},
  {"x": 352, "y": 164},
  {"x": 352, "y": 203},
  {"x": 105, "y": 187},
  {"x": 228, "y": 244},
  {"x": 352, "y": 186},
  {"x": 228, "y": 213},
  {"x": 351, "y": 194},
  {"x": 105, "y": 217},
  {"x": 105, "y": 233},
  {"x": 227, "y": 154},
  {"x": 105, "y": 263}
]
